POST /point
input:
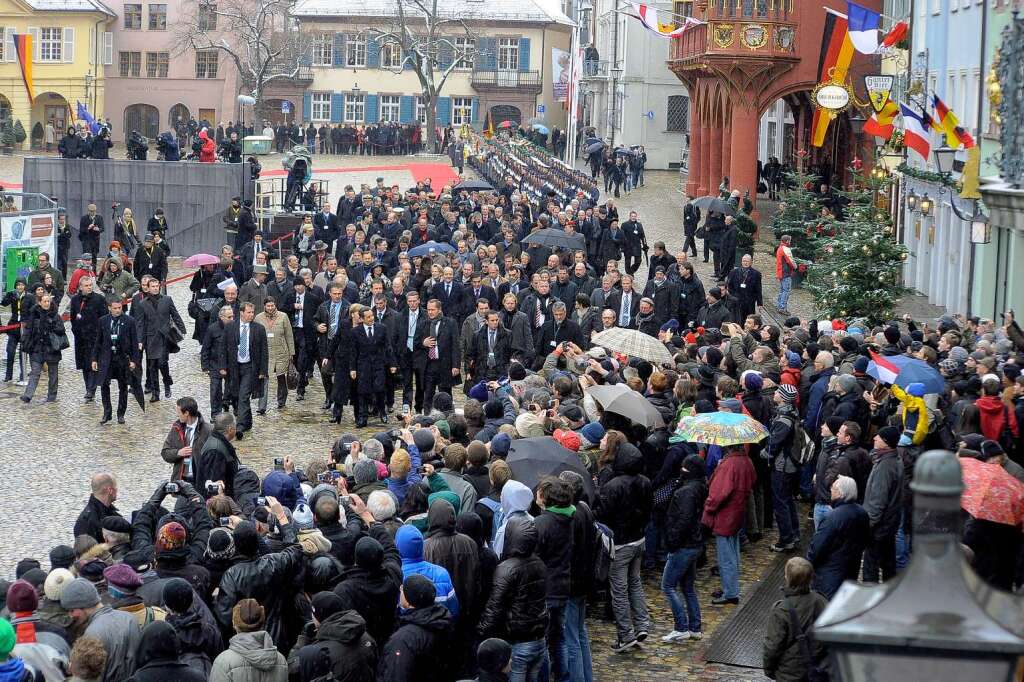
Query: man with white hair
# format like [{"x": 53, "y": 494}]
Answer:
[{"x": 840, "y": 540}]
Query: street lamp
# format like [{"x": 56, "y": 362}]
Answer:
[
  {"x": 981, "y": 230},
  {"x": 926, "y": 205},
  {"x": 944, "y": 157},
  {"x": 912, "y": 200},
  {"x": 936, "y": 621}
]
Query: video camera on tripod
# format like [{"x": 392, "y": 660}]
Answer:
[{"x": 137, "y": 146}]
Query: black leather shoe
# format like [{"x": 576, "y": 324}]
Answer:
[
  {"x": 360, "y": 423},
  {"x": 105, "y": 420},
  {"x": 25, "y": 399},
  {"x": 167, "y": 392},
  {"x": 326, "y": 405},
  {"x": 261, "y": 411},
  {"x": 155, "y": 398},
  {"x": 300, "y": 396},
  {"x": 719, "y": 601},
  {"x": 384, "y": 418},
  {"x": 120, "y": 419}
]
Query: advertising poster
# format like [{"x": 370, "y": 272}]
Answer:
[
  {"x": 22, "y": 236},
  {"x": 561, "y": 71}
]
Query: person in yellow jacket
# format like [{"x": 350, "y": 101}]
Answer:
[{"x": 915, "y": 412}]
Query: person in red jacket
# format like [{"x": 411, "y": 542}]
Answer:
[
  {"x": 207, "y": 151},
  {"x": 83, "y": 268},
  {"x": 791, "y": 373},
  {"x": 785, "y": 266},
  {"x": 995, "y": 414},
  {"x": 724, "y": 513}
]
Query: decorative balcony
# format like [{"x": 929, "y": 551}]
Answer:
[{"x": 524, "y": 82}]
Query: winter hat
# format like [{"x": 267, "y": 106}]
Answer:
[
  {"x": 501, "y": 443},
  {"x": 122, "y": 578},
  {"x": 593, "y": 432},
  {"x": 670, "y": 326},
  {"x": 24, "y": 566},
  {"x": 419, "y": 591},
  {"x": 79, "y": 594},
  {"x": 22, "y": 597},
  {"x": 7, "y": 638},
  {"x": 116, "y": 523},
  {"x": 989, "y": 449},
  {"x": 448, "y": 496},
  {"x": 860, "y": 365},
  {"x": 516, "y": 372},
  {"x": 787, "y": 392},
  {"x": 569, "y": 440},
  {"x": 282, "y": 486},
  {"x": 1011, "y": 372},
  {"x": 92, "y": 569},
  {"x": 302, "y": 517},
  {"x": 890, "y": 435},
  {"x": 442, "y": 402},
  {"x": 479, "y": 392},
  {"x": 248, "y": 616},
  {"x": 834, "y": 424},
  {"x": 792, "y": 360},
  {"x": 221, "y": 544},
  {"x": 365, "y": 471},
  {"x": 177, "y": 595},
  {"x": 847, "y": 382},
  {"x": 493, "y": 655},
  {"x": 949, "y": 365},
  {"x": 753, "y": 382},
  {"x": 55, "y": 583},
  {"x": 713, "y": 357},
  {"x": 892, "y": 334},
  {"x": 731, "y": 404},
  {"x": 973, "y": 441},
  {"x": 424, "y": 441},
  {"x": 246, "y": 539},
  {"x": 171, "y": 536},
  {"x": 958, "y": 353},
  {"x": 369, "y": 553},
  {"x": 444, "y": 428},
  {"x": 326, "y": 604},
  {"x": 706, "y": 375},
  {"x": 916, "y": 389},
  {"x": 61, "y": 556}
]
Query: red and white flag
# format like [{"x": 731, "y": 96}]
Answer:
[{"x": 887, "y": 371}]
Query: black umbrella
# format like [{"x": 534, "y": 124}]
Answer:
[
  {"x": 550, "y": 236},
  {"x": 622, "y": 151},
  {"x": 531, "y": 459},
  {"x": 595, "y": 147},
  {"x": 135, "y": 386},
  {"x": 474, "y": 186},
  {"x": 715, "y": 204}
]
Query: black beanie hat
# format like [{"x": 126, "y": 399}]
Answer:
[
  {"x": 892, "y": 334},
  {"x": 369, "y": 553},
  {"x": 177, "y": 595},
  {"x": 834, "y": 424},
  {"x": 326, "y": 604},
  {"x": 891, "y": 435},
  {"x": 24, "y": 566},
  {"x": 419, "y": 591},
  {"x": 61, "y": 556},
  {"x": 493, "y": 655},
  {"x": 424, "y": 441},
  {"x": 247, "y": 542}
]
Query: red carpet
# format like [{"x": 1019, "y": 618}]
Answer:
[{"x": 440, "y": 174}]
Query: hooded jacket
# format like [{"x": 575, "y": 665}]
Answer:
[
  {"x": 418, "y": 650},
  {"x": 372, "y": 585},
  {"x": 453, "y": 551},
  {"x": 119, "y": 632},
  {"x": 682, "y": 523},
  {"x": 158, "y": 654},
  {"x": 517, "y": 609},
  {"x": 555, "y": 547},
  {"x": 199, "y": 637},
  {"x": 624, "y": 502},
  {"x": 726, "y": 506},
  {"x": 783, "y": 657},
  {"x": 14, "y": 670},
  {"x": 341, "y": 647},
  {"x": 207, "y": 153},
  {"x": 410, "y": 547},
  {"x": 516, "y": 499},
  {"x": 250, "y": 657},
  {"x": 994, "y": 414}
]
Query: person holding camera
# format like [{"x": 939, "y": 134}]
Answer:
[
  {"x": 491, "y": 350},
  {"x": 231, "y": 149},
  {"x": 89, "y": 229},
  {"x": 217, "y": 463},
  {"x": 101, "y": 144}
]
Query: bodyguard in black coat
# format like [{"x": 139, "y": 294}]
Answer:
[
  {"x": 155, "y": 316},
  {"x": 664, "y": 293},
  {"x": 326, "y": 227},
  {"x": 441, "y": 333},
  {"x": 614, "y": 302},
  {"x": 244, "y": 377},
  {"x": 213, "y": 359},
  {"x": 89, "y": 229},
  {"x": 86, "y": 309},
  {"x": 449, "y": 292},
  {"x": 744, "y": 283},
  {"x": 489, "y": 362},
  {"x": 555, "y": 332},
  {"x": 115, "y": 353},
  {"x": 150, "y": 260},
  {"x": 372, "y": 360}
]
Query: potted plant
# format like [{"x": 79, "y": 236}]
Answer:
[
  {"x": 7, "y": 136},
  {"x": 37, "y": 135},
  {"x": 19, "y": 133}
]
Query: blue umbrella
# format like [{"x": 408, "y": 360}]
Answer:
[
  {"x": 542, "y": 129},
  {"x": 593, "y": 140},
  {"x": 595, "y": 147},
  {"x": 436, "y": 247},
  {"x": 908, "y": 370},
  {"x": 622, "y": 151}
]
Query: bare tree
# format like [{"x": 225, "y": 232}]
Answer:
[
  {"x": 259, "y": 37},
  {"x": 428, "y": 39}
]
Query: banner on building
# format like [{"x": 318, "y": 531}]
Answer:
[
  {"x": 561, "y": 73},
  {"x": 878, "y": 86},
  {"x": 833, "y": 63}
]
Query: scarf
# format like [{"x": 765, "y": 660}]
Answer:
[
  {"x": 25, "y": 627},
  {"x": 568, "y": 510}
]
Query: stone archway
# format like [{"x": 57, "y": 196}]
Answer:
[
  {"x": 179, "y": 110},
  {"x": 144, "y": 118},
  {"x": 506, "y": 112},
  {"x": 50, "y": 106}
]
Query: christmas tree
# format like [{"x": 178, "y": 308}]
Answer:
[
  {"x": 856, "y": 268},
  {"x": 799, "y": 216}
]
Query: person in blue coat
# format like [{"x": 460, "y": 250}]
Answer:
[
  {"x": 410, "y": 546},
  {"x": 840, "y": 540}
]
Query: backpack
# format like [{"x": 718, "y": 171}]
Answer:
[
  {"x": 605, "y": 553},
  {"x": 815, "y": 671},
  {"x": 323, "y": 666}
]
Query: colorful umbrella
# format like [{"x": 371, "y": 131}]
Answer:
[
  {"x": 199, "y": 260},
  {"x": 506, "y": 124},
  {"x": 722, "y": 428},
  {"x": 991, "y": 494},
  {"x": 634, "y": 343},
  {"x": 904, "y": 370},
  {"x": 622, "y": 400}
]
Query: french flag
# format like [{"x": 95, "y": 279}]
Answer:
[
  {"x": 887, "y": 371},
  {"x": 915, "y": 131},
  {"x": 863, "y": 27}
]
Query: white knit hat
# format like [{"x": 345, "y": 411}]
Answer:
[{"x": 55, "y": 582}]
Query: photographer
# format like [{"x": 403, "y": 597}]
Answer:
[
  {"x": 137, "y": 146},
  {"x": 167, "y": 148},
  {"x": 101, "y": 144},
  {"x": 231, "y": 149}
]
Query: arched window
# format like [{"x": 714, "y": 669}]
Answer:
[
  {"x": 144, "y": 118},
  {"x": 178, "y": 111},
  {"x": 506, "y": 112}
]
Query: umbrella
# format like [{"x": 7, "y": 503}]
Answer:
[
  {"x": 474, "y": 186},
  {"x": 722, "y": 428},
  {"x": 593, "y": 140},
  {"x": 507, "y": 124},
  {"x": 551, "y": 236},
  {"x": 135, "y": 386},
  {"x": 542, "y": 129},
  {"x": 903, "y": 370},
  {"x": 427, "y": 247},
  {"x": 991, "y": 494},
  {"x": 595, "y": 147},
  {"x": 634, "y": 343},
  {"x": 622, "y": 151},
  {"x": 531, "y": 459},
  {"x": 199, "y": 260},
  {"x": 622, "y": 400},
  {"x": 715, "y": 204}
]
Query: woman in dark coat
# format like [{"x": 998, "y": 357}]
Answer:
[
  {"x": 340, "y": 352},
  {"x": 43, "y": 327},
  {"x": 157, "y": 657},
  {"x": 202, "y": 288}
]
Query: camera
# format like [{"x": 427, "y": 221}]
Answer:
[
  {"x": 114, "y": 205},
  {"x": 261, "y": 502},
  {"x": 225, "y": 521},
  {"x": 423, "y": 469},
  {"x": 325, "y": 477},
  {"x": 212, "y": 489},
  {"x": 345, "y": 499},
  {"x": 279, "y": 462},
  {"x": 171, "y": 488}
]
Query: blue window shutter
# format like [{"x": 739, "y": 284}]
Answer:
[
  {"x": 524, "y": 54},
  {"x": 339, "y": 49},
  {"x": 371, "y": 109},
  {"x": 475, "y": 116},
  {"x": 372, "y": 53},
  {"x": 337, "y": 107},
  {"x": 445, "y": 55},
  {"x": 407, "y": 109},
  {"x": 444, "y": 110},
  {"x": 307, "y": 106},
  {"x": 487, "y": 54}
]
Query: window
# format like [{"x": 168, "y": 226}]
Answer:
[
  {"x": 462, "y": 110},
  {"x": 208, "y": 17},
  {"x": 465, "y": 47},
  {"x": 323, "y": 49},
  {"x": 4, "y": 49},
  {"x": 130, "y": 64},
  {"x": 355, "y": 50},
  {"x": 355, "y": 108},
  {"x": 389, "y": 108},
  {"x": 390, "y": 56},
  {"x": 206, "y": 64},
  {"x": 157, "y": 64},
  {"x": 678, "y": 115},
  {"x": 321, "y": 106},
  {"x": 421, "y": 110},
  {"x": 158, "y": 17},
  {"x": 50, "y": 44},
  {"x": 132, "y": 17},
  {"x": 508, "y": 54}
]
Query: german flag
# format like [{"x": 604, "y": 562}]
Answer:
[
  {"x": 833, "y": 63},
  {"x": 946, "y": 122},
  {"x": 23, "y": 46},
  {"x": 881, "y": 124}
]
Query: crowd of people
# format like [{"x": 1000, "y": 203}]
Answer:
[
  {"x": 536, "y": 173},
  {"x": 428, "y": 551}
]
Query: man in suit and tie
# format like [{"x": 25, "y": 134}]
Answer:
[
  {"x": 491, "y": 352},
  {"x": 477, "y": 290},
  {"x": 301, "y": 306},
  {"x": 449, "y": 293},
  {"x": 330, "y": 315},
  {"x": 625, "y": 303},
  {"x": 246, "y": 345},
  {"x": 372, "y": 360},
  {"x": 325, "y": 226},
  {"x": 247, "y": 256},
  {"x": 386, "y": 317},
  {"x": 115, "y": 355},
  {"x": 440, "y": 339},
  {"x": 411, "y": 357},
  {"x": 558, "y": 329}
]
